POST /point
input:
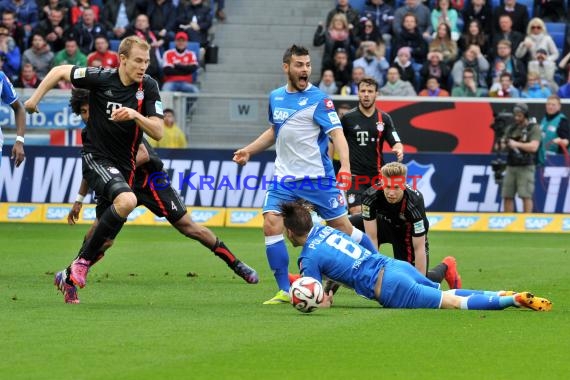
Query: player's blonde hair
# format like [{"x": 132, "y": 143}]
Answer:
[
  {"x": 394, "y": 169},
  {"x": 128, "y": 42}
]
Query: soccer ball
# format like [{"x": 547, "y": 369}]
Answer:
[{"x": 306, "y": 294}]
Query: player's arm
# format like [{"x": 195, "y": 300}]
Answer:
[
  {"x": 264, "y": 141},
  {"x": 393, "y": 137},
  {"x": 369, "y": 214},
  {"x": 371, "y": 229},
  {"x": 151, "y": 125},
  {"x": 73, "y": 214},
  {"x": 142, "y": 156},
  {"x": 18, "y": 154},
  {"x": 341, "y": 146},
  {"x": 419, "y": 243},
  {"x": 55, "y": 75}
]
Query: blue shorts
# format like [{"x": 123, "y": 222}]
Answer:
[
  {"x": 403, "y": 287},
  {"x": 328, "y": 200}
]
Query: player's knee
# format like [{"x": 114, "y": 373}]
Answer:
[{"x": 125, "y": 203}]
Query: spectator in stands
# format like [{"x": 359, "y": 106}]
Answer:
[
  {"x": 382, "y": 15},
  {"x": 534, "y": 88},
  {"x": 70, "y": 55},
  {"x": 423, "y": 18},
  {"x": 141, "y": 29},
  {"x": 195, "y": 19},
  {"x": 545, "y": 69},
  {"x": 374, "y": 65},
  {"x": 117, "y": 15},
  {"x": 433, "y": 88},
  {"x": 443, "y": 13},
  {"x": 39, "y": 55},
  {"x": 179, "y": 65},
  {"x": 45, "y": 6},
  {"x": 458, "y": 5},
  {"x": 474, "y": 35},
  {"x": 15, "y": 29},
  {"x": 220, "y": 14},
  {"x": 343, "y": 7},
  {"x": 434, "y": 67},
  {"x": 11, "y": 55},
  {"x": 77, "y": 10},
  {"x": 506, "y": 32},
  {"x": 518, "y": 13},
  {"x": 173, "y": 137},
  {"x": 410, "y": 36},
  {"x": 26, "y": 12},
  {"x": 368, "y": 32},
  {"x": 395, "y": 86},
  {"x": 443, "y": 42},
  {"x": 504, "y": 87},
  {"x": 537, "y": 38},
  {"x": 506, "y": 61},
  {"x": 550, "y": 10},
  {"x": 403, "y": 62},
  {"x": 555, "y": 129},
  {"x": 564, "y": 65},
  {"x": 28, "y": 77},
  {"x": 336, "y": 35},
  {"x": 327, "y": 83},
  {"x": 479, "y": 10},
  {"x": 53, "y": 27},
  {"x": 564, "y": 90},
  {"x": 468, "y": 85},
  {"x": 102, "y": 56},
  {"x": 85, "y": 31},
  {"x": 473, "y": 59},
  {"x": 352, "y": 87},
  {"x": 162, "y": 18},
  {"x": 342, "y": 68}
]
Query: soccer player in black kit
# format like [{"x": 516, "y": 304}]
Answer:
[
  {"x": 366, "y": 129},
  {"x": 393, "y": 212},
  {"x": 125, "y": 102},
  {"x": 159, "y": 197}
]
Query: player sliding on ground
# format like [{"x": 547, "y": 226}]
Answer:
[{"x": 392, "y": 283}]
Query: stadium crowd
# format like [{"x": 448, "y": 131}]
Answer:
[{"x": 466, "y": 48}]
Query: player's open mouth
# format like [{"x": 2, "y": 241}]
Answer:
[{"x": 303, "y": 79}]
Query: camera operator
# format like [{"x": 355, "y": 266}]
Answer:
[{"x": 521, "y": 141}]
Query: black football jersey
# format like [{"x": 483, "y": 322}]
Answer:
[
  {"x": 407, "y": 217},
  {"x": 365, "y": 137},
  {"x": 104, "y": 138}
]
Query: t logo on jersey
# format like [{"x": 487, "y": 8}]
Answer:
[
  {"x": 111, "y": 106},
  {"x": 362, "y": 137}
]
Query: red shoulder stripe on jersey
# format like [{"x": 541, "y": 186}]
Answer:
[
  {"x": 379, "y": 143},
  {"x": 133, "y": 145}
]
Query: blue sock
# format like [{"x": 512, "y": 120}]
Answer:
[
  {"x": 481, "y": 302},
  {"x": 507, "y": 301},
  {"x": 470, "y": 292},
  {"x": 363, "y": 239},
  {"x": 278, "y": 259}
]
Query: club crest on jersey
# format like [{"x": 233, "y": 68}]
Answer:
[
  {"x": 329, "y": 104},
  {"x": 380, "y": 126},
  {"x": 351, "y": 198},
  {"x": 303, "y": 101},
  {"x": 139, "y": 95},
  {"x": 113, "y": 170}
]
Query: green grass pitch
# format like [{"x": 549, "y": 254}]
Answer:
[{"x": 143, "y": 317}]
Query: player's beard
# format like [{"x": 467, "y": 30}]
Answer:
[
  {"x": 297, "y": 83},
  {"x": 369, "y": 107}
]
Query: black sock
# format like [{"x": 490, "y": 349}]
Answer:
[
  {"x": 437, "y": 273},
  {"x": 224, "y": 253},
  {"x": 109, "y": 226}
]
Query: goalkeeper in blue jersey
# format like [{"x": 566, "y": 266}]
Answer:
[{"x": 392, "y": 283}]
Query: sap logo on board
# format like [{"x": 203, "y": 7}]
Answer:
[
  {"x": 57, "y": 213},
  {"x": 463, "y": 222},
  {"x": 281, "y": 114},
  {"x": 433, "y": 220},
  {"x": 20, "y": 212},
  {"x": 566, "y": 224},
  {"x": 500, "y": 222},
  {"x": 242, "y": 217},
  {"x": 89, "y": 214},
  {"x": 137, "y": 212},
  {"x": 536, "y": 223},
  {"x": 200, "y": 216}
]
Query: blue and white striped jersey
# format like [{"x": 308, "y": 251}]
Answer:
[{"x": 8, "y": 96}]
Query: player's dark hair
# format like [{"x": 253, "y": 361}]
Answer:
[
  {"x": 128, "y": 42},
  {"x": 297, "y": 217},
  {"x": 294, "y": 50},
  {"x": 169, "y": 110},
  {"x": 369, "y": 81},
  {"x": 79, "y": 97}
]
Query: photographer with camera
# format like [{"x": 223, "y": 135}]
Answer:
[{"x": 521, "y": 142}]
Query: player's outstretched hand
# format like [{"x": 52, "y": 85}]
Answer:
[
  {"x": 241, "y": 157},
  {"x": 18, "y": 154},
  {"x": 73, "y": 215},
  {"x": 30, "y": 106}
]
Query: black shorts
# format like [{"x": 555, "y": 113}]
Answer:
[
  {"x": 354, "y": 194},
  {"x": 162, "y": 201},
  {"x": 105, "y": 179}
]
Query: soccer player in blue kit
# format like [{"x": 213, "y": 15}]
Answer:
[
  {"x": 392, "y": 283},
  {"x": 302, "y": 118}
]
